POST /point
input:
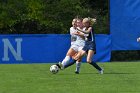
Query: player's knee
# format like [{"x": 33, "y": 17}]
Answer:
[
  {"x": 79, "y": 60},
  {"x": 88, "y": 61},
  {"x": 77, "y": 57}
]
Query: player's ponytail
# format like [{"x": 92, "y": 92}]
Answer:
[{"x": 92, "y": 21}]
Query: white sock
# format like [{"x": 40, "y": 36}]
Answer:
[
  {"x": 65, "y": 60},
  {"x": 78, "y": 65}
]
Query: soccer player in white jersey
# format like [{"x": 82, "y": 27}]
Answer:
[
  {"x": 71, "y": 52},
  {"x": 77, "y": 43}
]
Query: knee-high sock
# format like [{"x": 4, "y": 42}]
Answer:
[
  {"x": 66, "y": 60},
  {"x": 78, "y": 65},
  {"x": 69, "y": 64},
  {"x": 96, "y": 66}
]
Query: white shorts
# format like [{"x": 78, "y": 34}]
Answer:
[{"x": 77, "y": 46}]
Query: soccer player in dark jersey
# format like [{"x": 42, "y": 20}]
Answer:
[{"x": 90, "y": 46}]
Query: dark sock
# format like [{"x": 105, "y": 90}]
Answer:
[
  {"x": 96, "y": 66},
  {"x": 70, "y": 63}
]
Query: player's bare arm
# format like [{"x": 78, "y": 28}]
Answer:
[{"x": 86, "y": 31}]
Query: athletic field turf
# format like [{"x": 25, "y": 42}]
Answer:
[{"x": 119, "y": 77}]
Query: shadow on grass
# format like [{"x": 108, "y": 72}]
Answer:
[
  {"x": 77, "y": 74},
  {"x": 118, "y": 73},
  {"x": 111, "y": 73}
]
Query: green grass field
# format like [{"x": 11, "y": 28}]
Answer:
[{"x": 36, "y": 78}]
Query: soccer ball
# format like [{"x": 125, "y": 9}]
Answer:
[
  {"x": 138, "y": 39},
  {"x": 54, "y": 69}
]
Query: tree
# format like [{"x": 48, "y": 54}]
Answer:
[{"x": 50, "y": 16}]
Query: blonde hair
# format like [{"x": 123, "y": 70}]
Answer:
[{"x": 92, "y": 21}]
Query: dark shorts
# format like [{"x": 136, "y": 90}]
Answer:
[{"x": 89, "y": 45}]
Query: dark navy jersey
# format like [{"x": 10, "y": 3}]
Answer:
[
  {"x": 91, "y": 36},
  {"x": 90, "y": 42}
]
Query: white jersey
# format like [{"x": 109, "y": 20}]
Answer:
[
  {"x": 77, "y": 43},
  {"x": 80, "y": 41},
  {"x": 73, "y": 37}
]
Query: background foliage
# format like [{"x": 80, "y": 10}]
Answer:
[{"x": 50, "y": 16}]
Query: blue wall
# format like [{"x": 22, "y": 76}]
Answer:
[
  {"x": 45, "y": 48},
  {"x": 125, "y": 24}
]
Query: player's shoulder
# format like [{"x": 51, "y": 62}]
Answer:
[{"x": 71, "y": 28}]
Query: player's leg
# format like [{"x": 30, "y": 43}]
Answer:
[
  {"x": 69, "y": 54},
  {"x": 66, "y": 61},
  {"x": 78, "y": 62},
  {"x": 78, "y": 65},
  {"x": 75, "y": 49},
  {"x": 75, "y": 56},
  {"x": 79, "y": 55},
  {"x": 89, "y": 60},
  {"x": 77, "y": 59}
]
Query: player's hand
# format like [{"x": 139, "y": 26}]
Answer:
[{"x": 75, "y": 33}]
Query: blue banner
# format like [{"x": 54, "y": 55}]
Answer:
[
  {"x": 45, "y": 48},
  {"x": 125, "y": 24}
]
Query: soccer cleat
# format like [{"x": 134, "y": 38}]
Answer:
[
  {"x": 61, "y": 66},
  {"x": 76, "y": 72},
  {"x": 101, "y": 71},
  {"x": 58, "y": 66}
]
